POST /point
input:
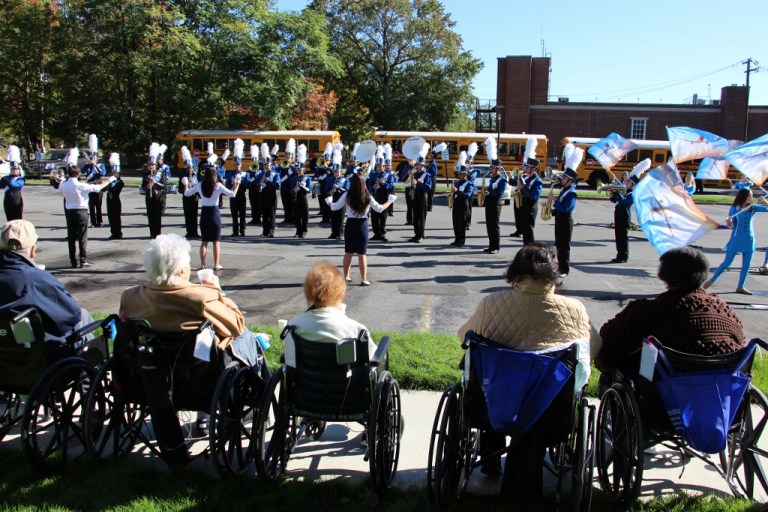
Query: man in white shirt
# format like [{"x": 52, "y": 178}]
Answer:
[{"x": 76, "y": 212}]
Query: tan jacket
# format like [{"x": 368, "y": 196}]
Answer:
[
  {"x": 182, "y": 307},
  {"x": 529, "y": 316}
]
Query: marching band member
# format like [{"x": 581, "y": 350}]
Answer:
[
  {"x": 13, "y": 203},
  {"x": 462, "y": 190},
  {"x": 472, "y": 174},
  {"x": 337, "y": 186},
  {"x": 76, "y": 208},
  {"x": 380, "y": 184},
  {"x": 494, "y": 191},
  {"x": 353, "y": 165},
  {"x": 300, "y": 186},
  {"x": 221, "y": 172},
  {"x": 254, "y": 194},
  {"x": 114, "y": 205},
  {"x": 269, "y": 185},
  {"x": 388, "y": 168},
  {"x": 94, "y": 172},
  {"x": 164, "y": 170},
  {"x": 189, "y": 203},
  {"x": 421, "y": 182},
  {"x": 402, "y": 176},
  {"x": 432, "y": 170},
  {"x": 322, "y": 173},
  {"x": 742, "y": 237},
  {"x": 153, "y": 183},
  {"x": 286, "y": 192},
  {"x": 529, "y": 188},
  {"x": 563, "y": 206},
  {"x": 237, "y": 203},
  {"x": 622, "y": 212}
]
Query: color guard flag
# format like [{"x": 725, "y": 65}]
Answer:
[
  {"x": 716, "y": 168},
  {"x": 611, "y": 149},
  {"x": 665, "y": 211},
  {"x": 751, "y": 159},
  {"x": 690, "y": 144}
]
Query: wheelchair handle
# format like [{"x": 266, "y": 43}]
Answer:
[
  {"x": 381, "y": 350},
  {"x": 203, "y": 326},
  {"x": 87, "y": 329},
  {"x": 24, "y": 314}
]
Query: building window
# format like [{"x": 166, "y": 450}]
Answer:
[{"x": 637, "y": 127}]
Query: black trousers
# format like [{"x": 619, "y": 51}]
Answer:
[
  {"x": 492, "y": 217},
  {"x": 254, "y": 197},
  {"x": 409, "y": 205},
  {"x": 527, "y": 220},
  {"x": 237, "y": 209},
  {"x": 94, "y": 208},
  {"x": 325, "y": 210},
  {"x": 268, "y": 211},
  {"x": 621, "y": 230},
  {"x": 459, "y": 216},
  {"x": 154, "y": 214},
  {"x": 13, "y": 204},
  {"x": 337, "y": 219},
  {"x": 190, "y": 214},
  {"x": 114, "y": 213},
  {"x": 77, "y": 233},
  {"x": 516, "y": 212},
  {"x": 563, "y": 232},
  {"x": 286, "y": 197},
  {"x": 301, "y": 213},
  {"x": 379, "y": 222},
  {"x": 419, "y": 212}
]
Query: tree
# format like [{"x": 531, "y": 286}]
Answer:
[{"x": 402, "y": 59}]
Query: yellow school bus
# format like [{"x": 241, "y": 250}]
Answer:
[
  {"x": 511, "y": 147},
  {"x": 658, "y": 151},
  {"x": 197, "y": 142}
]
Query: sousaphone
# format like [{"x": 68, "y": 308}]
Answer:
[
  {"x": 366, "y": 151},
  {"x": 412, "y": 147}
]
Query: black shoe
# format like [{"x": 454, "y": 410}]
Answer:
[
  {"x": 516, "y": 234},
  {"x": 234, "y": 234},
  {"x": 301, "y": 235},
  {"x": 409, "y": 223},
  {"x": 618, "y": 260},
  {"x": 116, "y": 237},
  {"x": 270, "y": 235},
  {"x": 417, "y": 240},
  {"x": 564, "y": 274},
  {"x": 201, "y": 426},
  {"x": 74, "y": 265},
  {"x": 384, "y": 239},
  {"x": 487, "y": 250},
  {"x": 376, "y": 237}
]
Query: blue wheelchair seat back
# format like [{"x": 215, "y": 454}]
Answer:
[
  {"x": 321, "y": 388},
  {"x": 518, "y": 386},
  {"x": 702, "y": 394}
]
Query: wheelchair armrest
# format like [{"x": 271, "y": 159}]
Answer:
[
  {"x": 381, "y": 350},
  {"x": 87, "y": 329},
  {"x": 760, "y": 343},
  {"x": 24, "y": 314},
  {"x": 203, "y": 326}
]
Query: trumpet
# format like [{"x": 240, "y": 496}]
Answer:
[
  {"x": 611, "y": 188},
  {"x": 481, "y": 195}
]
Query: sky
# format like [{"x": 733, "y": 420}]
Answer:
[{"x": 653, "y": 51}]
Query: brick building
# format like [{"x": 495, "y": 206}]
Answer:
[{"x": 523, "y": 90}]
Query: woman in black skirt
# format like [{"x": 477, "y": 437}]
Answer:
[
  {"x": 358, "y": 202},
  {"x": 210, "y": 191}
]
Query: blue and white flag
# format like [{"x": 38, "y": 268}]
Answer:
[
  {"x": 751, "y": 159},
  {"x": 716, "y": 168},
  {"x": 666, "y": 213},
  {"x": 610, "y": 150},
  {"x": 691, "y": 144}
]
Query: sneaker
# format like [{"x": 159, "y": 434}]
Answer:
[
  {"x": 743, "y": 291},
  {"x": 86, "y": 264},
  {"x": 707, "y": 284}
]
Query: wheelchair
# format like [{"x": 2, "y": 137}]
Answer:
[
  {"x": 680, "y": 410},
  {"x": 322, "y": 382},
  {"x": 137, "y": 396},
  {"x": 492, "y": 396},
  {"x": 43, "y": 387}
]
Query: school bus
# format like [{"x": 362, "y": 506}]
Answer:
[
  {"x": 197, "y": 142},
  {"x": 658, "y": 151},
  {"x": 511, "y": 147}
]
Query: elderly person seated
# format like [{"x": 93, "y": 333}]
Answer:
[
  {"x": 686, "y": 317},
  {"x": 171, "y": 303},
  {"x": 529, "y": 316}
]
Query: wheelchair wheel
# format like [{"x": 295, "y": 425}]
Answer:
[
  {"x": 10, "y": 407},
  {"x": 112, "y": 426},
  {"x": 51, "y": 432},
  {"x": 745, "y": 459},
  {"x": 315, "y": 429},
  {"x": 583, "y": 458},
  {"x": 235, "y": 403},
  {"x": 619, "y": 445},
  {"x": 273, "y": 431},
  {"x": 445, "y": 457},
  {"x": 384, "y": 432}
]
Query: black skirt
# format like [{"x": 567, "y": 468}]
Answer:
[
  {"x": 356, "y": 236},
  {"x": 210, "y": 224}
]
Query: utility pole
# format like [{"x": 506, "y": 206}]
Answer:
[{"x": 749, "y": 70}]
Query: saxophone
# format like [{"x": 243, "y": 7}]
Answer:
[
  {"x": 450, "y": 195},
  {"x": 546, "y": 206},
  {"x": 481, "y": 194},
  {"x": 518, "y": 198}
]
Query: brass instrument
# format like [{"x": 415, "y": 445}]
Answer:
[
  {"x": 517, "y": 196},
  {"x": 611, "y": 188},
  {"x": 410, "y": 188},
  {"x": 546, "y": 206},
  {"x": 284, "y": 163},
  {"x": 450, "y": 195},
  {"x": 481, "y": 194}
]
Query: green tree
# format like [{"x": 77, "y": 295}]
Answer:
[{"x": 402, "y": 61}]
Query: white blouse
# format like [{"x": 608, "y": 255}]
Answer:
[
  {"x": 351, "y": 214},
  {"x": 209, "y": 201}
]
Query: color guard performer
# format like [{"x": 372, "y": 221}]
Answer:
[
  {"x": 562, "y": 207},
  {"x": 494, "y": 191},
  {"x": 530, "y": 191},
  {"x": 114, "y": 205},
  {"x": 462, "y": 190},
  {"x": 94, "y": 172},
  {"x": 421, "y": 183},
  {"x": 621, "y": 213},
  {"x": 153, "y": 184},
  {"x": 301, "y": 185},
  {"x": 13, "y": 203},
  {"x": 189, "y": 203},
  {"x": 380, "y": 183}
]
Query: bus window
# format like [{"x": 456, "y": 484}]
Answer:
[
  {"x": 205, "y": 144},
  {"x": 220, "y": 144},
  {"x": 397, "y": 145},
  {"x": 660, "y": 157},
  {"x": 645, "y": 153},
  {"x": 313, "y": 146},
  {"x": 197, "y": 144},
  {"x": 632, "y": 156},
  {"x": 452, "y": 146},
  {"x": 514, "y": 149}
]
